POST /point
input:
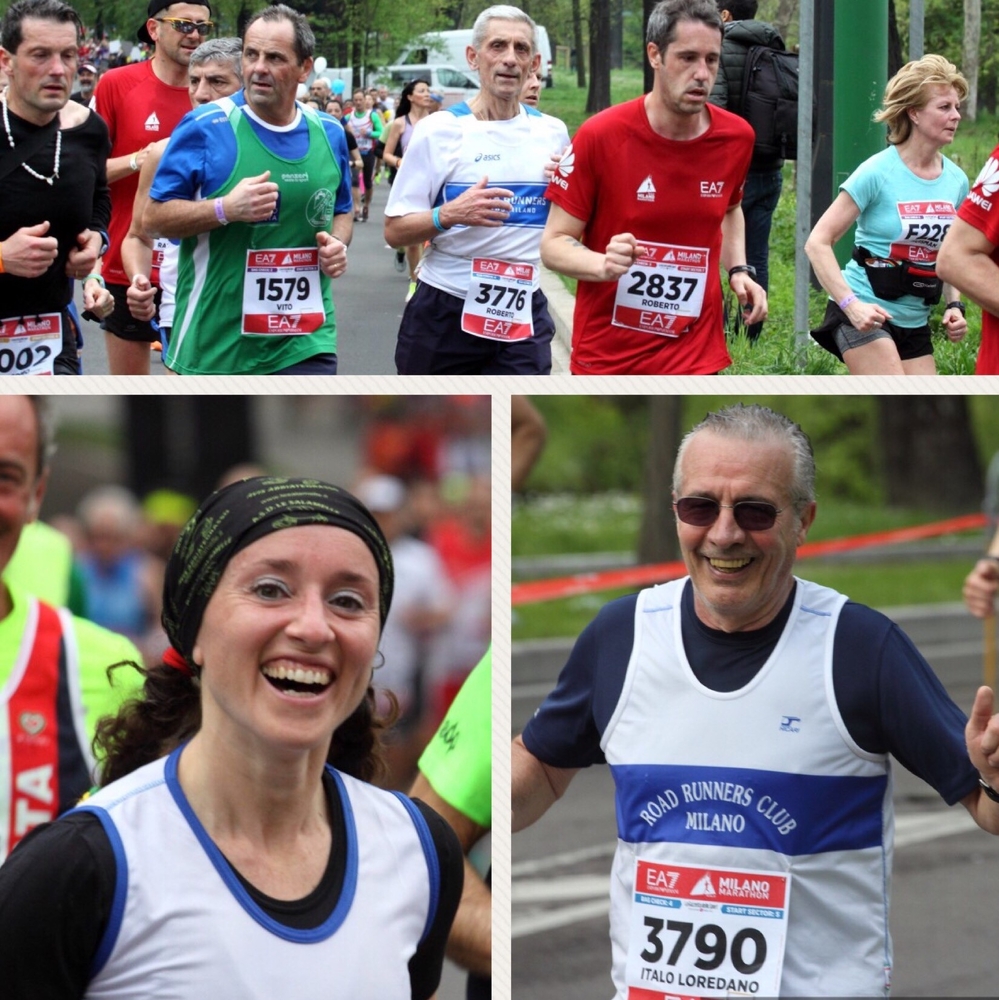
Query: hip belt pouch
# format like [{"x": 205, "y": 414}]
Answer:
[{"x": 891, "y": 279}]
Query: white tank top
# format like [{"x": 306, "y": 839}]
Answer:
[
  {"x": 184, "y": 928},
  {"x": 765, "y": 780}
]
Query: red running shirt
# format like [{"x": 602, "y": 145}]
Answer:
[
  {"x": 981, "y": 210},
  {"x": 619, "y": 176}
]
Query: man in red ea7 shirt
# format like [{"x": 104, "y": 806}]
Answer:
[
  {"x": 142, "y": 103},
  {"x": 646, "y": 206},
  {"x": 969, "y": 258}
]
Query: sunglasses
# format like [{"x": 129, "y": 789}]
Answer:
[
  {"x": 750, "y": 515},
  {"x": 188, "y": 27}
]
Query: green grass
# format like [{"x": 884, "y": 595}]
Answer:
[
  {"x": 561, "y": 523},
  {"x": 779, "y": 351}
]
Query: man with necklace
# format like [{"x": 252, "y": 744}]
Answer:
[
  {"x": 473, "y": 183},
  {"x": 56, "y": 205}
]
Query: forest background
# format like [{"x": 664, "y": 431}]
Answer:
[{"x": 599, "y": 497}]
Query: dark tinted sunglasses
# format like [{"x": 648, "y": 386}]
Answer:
[
  {"x": 750, "y": 515},
  {"x": 188, "y": 27}
]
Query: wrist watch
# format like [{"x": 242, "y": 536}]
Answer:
[
  {"x": 105, "y": 242},
  {"x": 988, "y": 789},
  {"x": 743, "y": 269}
]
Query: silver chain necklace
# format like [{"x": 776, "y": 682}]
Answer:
[{"x": 10, "y": 139}]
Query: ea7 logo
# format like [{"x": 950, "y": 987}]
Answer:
[{"x": 712, "y": 189}]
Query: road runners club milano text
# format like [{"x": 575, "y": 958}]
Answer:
[{"x": 721, "y": 791}]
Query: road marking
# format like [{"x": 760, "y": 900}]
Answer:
[{"x": 585, "y": 897}]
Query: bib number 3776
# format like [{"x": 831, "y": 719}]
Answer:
[
  {"x": 499, "y": 304},
  {"x": 706, "y": 932}
]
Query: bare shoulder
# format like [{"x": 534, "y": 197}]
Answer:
[{"x": 73, "y": 114}]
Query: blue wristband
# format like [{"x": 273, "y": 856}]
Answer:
[{"x": 436, "y": 214}]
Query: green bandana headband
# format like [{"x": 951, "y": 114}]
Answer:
[{"x": 238, "y": 515}]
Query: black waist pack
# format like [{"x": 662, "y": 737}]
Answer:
[{"x": 891, "y": 279}]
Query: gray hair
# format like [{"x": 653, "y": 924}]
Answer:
[
  {"x": 45, "y": 418},
  {"x": 117, "y": 501},
  {"x": 665, "y": 16},
  {"x": 752, "y": 422},
  {"x": 220, "y": 50},
  {"x": 305, "y": 40},
  {"x": 501, "y": 12}
]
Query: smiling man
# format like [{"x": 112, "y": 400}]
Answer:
[
  {"x": 748, "y": 717},
  {"x": 257, "y": 189},
  {"x": 646, "y": 207}
]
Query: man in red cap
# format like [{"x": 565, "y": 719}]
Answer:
[{"x": 142, "y": 103}]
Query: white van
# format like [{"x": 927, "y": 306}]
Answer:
[
  {"x": 452, "y": 84},
  {"x": 449, "y": 48}
]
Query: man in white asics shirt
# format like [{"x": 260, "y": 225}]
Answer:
[
  {"x": 473, "y": 183},
  {"x": 748, "y": 717}
]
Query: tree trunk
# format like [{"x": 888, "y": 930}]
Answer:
[
  {"x": 972, "y": 34},
  {"x": 894, "y": 42},
  {"x": 928, "y": 453},
  {"x": 577, "y": 41},
  {"x": 657, "y": 537},
  {"x": 649, "y": 78},
  {"x": 598, "y": 97},
  {"x": 782, "y": 22}
]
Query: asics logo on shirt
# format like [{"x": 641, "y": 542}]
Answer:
[
  {"x": 483, "y": 157},
  {"x": 152, "y": 123}
]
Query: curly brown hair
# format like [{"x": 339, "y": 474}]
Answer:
[{"x": 168, "y": 713}]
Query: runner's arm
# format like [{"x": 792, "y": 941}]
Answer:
[
  {"x": 563, "y": 251},
  {"x": 137, "y": 247},
  {"x": 395, "y": 132},
  {"x": 982, "y": 738},
  {"x": 470, "y": 941},
  {"x": 535, "y": 786},
  {"x": 750, "y": 294},
  {"x": 965, "y": 262}
]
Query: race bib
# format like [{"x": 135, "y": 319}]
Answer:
[
  {"x": 662, "y": 293},
  {"x": 30, "y": 345},
  {"x": 923, "y": 225},
  {"x": 281, "y": 292},
  {"x": 706, "y": 932},
  {"x": 159, "y": 250},
  {"x": 498, "y": 305}
]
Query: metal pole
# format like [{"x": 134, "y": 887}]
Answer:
[
  {"x": 916, "y": 43},
  {"x": 861, "y": 72},
  {"x": 803, "y": 173}
]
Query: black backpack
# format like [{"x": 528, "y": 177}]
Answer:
[{"x": 770, "y": 101}]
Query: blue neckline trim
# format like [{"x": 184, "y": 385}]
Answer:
[{"x": 332, "y": 923}]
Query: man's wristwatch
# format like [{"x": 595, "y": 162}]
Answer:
[
  {"x": 959, "y": 305},
  {"x": 105, "y": 242},
  {"x": 743, "y": 269},
  {"x": 988, "y": 789}
]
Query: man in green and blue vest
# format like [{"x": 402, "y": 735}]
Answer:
[
  {"x": 53, "y": 666},
  {"x": 257, "y": 188}
]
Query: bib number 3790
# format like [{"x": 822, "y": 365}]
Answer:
[{"x": 706, "y": 932}]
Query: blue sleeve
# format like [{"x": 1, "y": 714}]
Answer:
[
  {"x": 566, "y": 730},
  {"x": 338, "y": 143},
  {"x": 892, "y": 702},
  {"x": 186, "y": 170}
]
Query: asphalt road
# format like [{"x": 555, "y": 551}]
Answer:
[
  {"x": 946, "y": 870},
  {"x": 369, "y": 300}
]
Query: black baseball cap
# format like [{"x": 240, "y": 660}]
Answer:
[{"x": 155, "y": 6}]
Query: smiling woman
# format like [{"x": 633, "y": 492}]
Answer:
[{"x": 235, "y": 800}]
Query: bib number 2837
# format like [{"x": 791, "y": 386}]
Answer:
[{"x": 662, "y": 292}]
